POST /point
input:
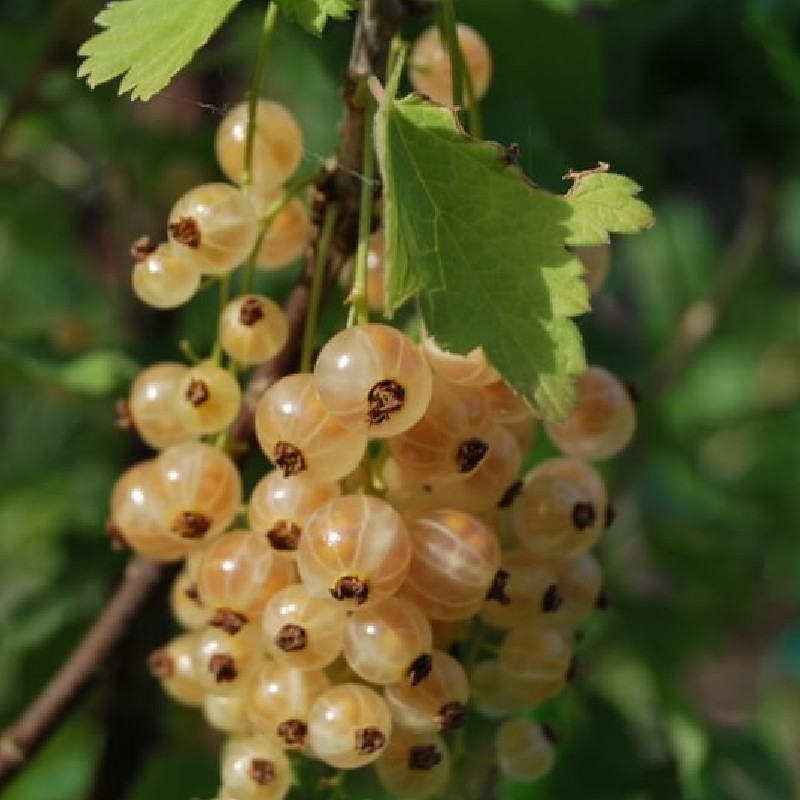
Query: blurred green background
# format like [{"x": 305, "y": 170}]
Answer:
[{"x": 690, "y": 682}]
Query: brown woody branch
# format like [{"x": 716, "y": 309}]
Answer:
[{"x": 376, "y": 25}]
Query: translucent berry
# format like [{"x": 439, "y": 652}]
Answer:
[
  {"x": 376, "y": 271},
  {"x": 472, "y": 369},
  {"x": 280, "y": 507},
  {"x": 446, "y": 444},
  {"x": 278, "y": 702},
  {"x": 162, "y": 280},
  {"x": 530, "y": 590},
  {"x": 287, "y": 236},
  {"x": 487, "y": 484},
  {"x": 454, "y": 563},
  {"x": 213, "y": 228},
  {"x": 239, "y": 573},
  {"x": 580, "y": 584},
  {"x": 153, "y": 407},
  {"x": 533, "y": 655},
  {"x": 227, "y": 713},
  {"x": 508, "y": 406},
  {"x": 186, "y": 604},
  {"x": 601, "y": 423},
  {"x": 137, "y": 518},
  {"x": 490, "y": 694},
  {"x": 431, "y": 72},
  {"x": 176, "y": 667},
  {"x": 414, "y": 765},
  {"x": 373, "y": 379},
  {"x": 355, "y": 550},
  {"x": 207, "y": 399},
  {"x": 198, "y": 490},
  {"x": 524, "y": 750},
  {"x": 389, "y": 642},
  {"x": 596, "y": 261},
  {"x": 254, "y": 768},
  {"x": 253, "y": 329},
  {"x": 560, "y": 511},
  {"x": 302, "y": 631},
  {"x": 300, "y": 437},
  {"x": 277, "y": 144},
  {"x": 226, "y": 661},
  {"x": 349, "y": 726},
  {"x": 436, "y": 704}
]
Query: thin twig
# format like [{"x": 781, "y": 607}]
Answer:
[{"x": 43, "y": 716}]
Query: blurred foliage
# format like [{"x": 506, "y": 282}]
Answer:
[{"x": 690, "y": 686}]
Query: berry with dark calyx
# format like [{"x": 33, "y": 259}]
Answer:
[{"x": 416, "y": 766}]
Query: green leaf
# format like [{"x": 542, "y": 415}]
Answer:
[
  {"x": 99, "y": 373},
  {"x": 603, "y": 203},
  {"x": 149, "y": 41},
  {"x": 313, "y": 14},
  {"x": 484, "y": 249}
]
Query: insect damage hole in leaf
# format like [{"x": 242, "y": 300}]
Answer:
[
  {"x": 148, "y": 42},
  {"x": 485, "y": 250}
]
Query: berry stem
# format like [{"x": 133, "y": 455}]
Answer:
[
  {"x": 320, "y": 264},
  {"x": 359, "y": 308},
  {"x": 270, "y": 18},
  {"x": 224, "y": 292},
  {"x": 463, "y": 88},
  {"x": 272, "y": 212},
  {"x": 448, "y": 22}
]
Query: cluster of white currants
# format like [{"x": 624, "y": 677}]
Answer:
[
  {"x": 217, "y": 226},
  {"x": 323, "y": 617},
  {"x": 331, "y": 591}
]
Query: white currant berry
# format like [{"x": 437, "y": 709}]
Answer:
[
  {"x": 163, "y": 280},
  {"x": 454, "y": 563},
  {"x": 355, "y": 551},
  {"x": 226, "y": 660},
  {"x": 277, "y": 144},
  {"x": 253, "y": 329},
  {"x": 389, "y": 642},
  {"x": 288, "y": 234},
  {"x": 533, "y": 658},
  {"x": 279, "y": 699},
  {"x": 373, "y": 379},
  {"x": 472, "y": 369},
  {"x": 176, "y": 667},
  {"x": 349, "y": 726},
  {"x": 602, "y": 422},
  {"x": 254, "y": 768},
  {"x": 239, "y": 574},
  {"x": 280, "y": 507},
  {"x": 153, "y": 407},
  {"x": 560, "y": 510},
  {"x": 198, "y": 491},
  {"x": 524, "y": 750},
  {"x": 302, "y": 631},
  {"x": 137, "y": 518},
  {"x": 437, "y": 703},
  {"x": 431, "y": 72},
  {"x": 301, "y": 437},
  {"x": 414, "y": 765},
  {"x": 207, "y": 399},
  {"x": 213, "y": 228},
  {"x": 376, "y": 272}
]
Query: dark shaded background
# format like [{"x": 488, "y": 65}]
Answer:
[{"x": 689, "y": 687}]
